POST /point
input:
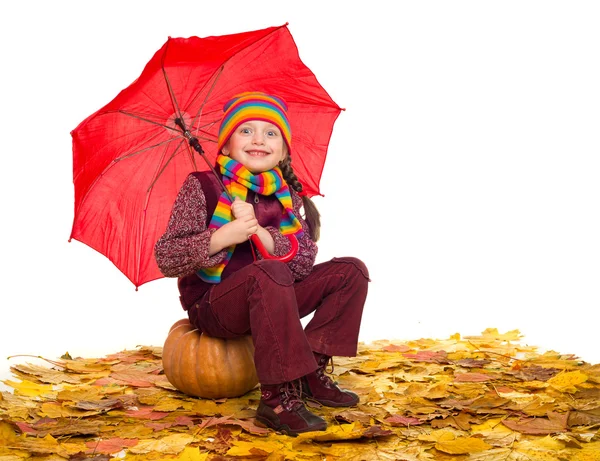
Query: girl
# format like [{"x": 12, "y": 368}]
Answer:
[{"x": 227, "y": 294}]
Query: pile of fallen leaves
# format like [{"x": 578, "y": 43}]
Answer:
[{"x": 480, "y": 398}]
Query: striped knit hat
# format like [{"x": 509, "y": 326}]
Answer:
[{"x": 254, "y": 106}]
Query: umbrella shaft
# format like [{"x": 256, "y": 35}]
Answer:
[{"x": 198, "y": 148}]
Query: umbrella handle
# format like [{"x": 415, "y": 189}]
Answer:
[{"x": 285, "y": 258}]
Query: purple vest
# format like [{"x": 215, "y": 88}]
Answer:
[{"x": 268, "y": 211}]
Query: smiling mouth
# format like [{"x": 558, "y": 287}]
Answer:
[{"x": 257, "y": 153}]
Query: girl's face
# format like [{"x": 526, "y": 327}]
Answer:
[{"x": 257, "y": 145}]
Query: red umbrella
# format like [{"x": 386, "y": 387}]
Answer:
[{"x": 131, "y": 157}]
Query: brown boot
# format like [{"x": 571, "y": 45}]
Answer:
[
  {"x": 321, "y": 388},
  {"x": 281, "y": 408}
]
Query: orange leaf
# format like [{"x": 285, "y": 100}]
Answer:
[
  {"x": 398, "y": 420},
  {"x": 147, "y": 413},
  {"x": 396, "y": 348},
  {"x": 472, "y": 378},
  {"x": 110, "y": 446}
]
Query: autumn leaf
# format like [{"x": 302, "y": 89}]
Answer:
[
  {"x": 396, "y": 348},
  {"x": 398, "y": 420},
  {"x": 174, "y": 444},
  {"x": 110, "y": 446},
  {"x": 462, "y": 446},
  {"x": 494, "y": 335},
  {"x": 567, "y": 381},
  {"x": 31, "y": 389},
  {"x": 539, "y": 426},
  {"x": 146, "y": 413},
  {"x": 473, "y": 377},
  {"x": 191, "y": 454}
]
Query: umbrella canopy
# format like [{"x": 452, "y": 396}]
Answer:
[{"x": 131, "y": 157}]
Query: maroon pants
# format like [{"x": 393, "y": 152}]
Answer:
[{"x": 263, "y": 300}]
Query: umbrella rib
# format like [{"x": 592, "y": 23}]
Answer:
[
  {"x": 212, "y": 87},
  {"x": 132, "y": 154},
  {"x": 161, "y": 171},
  {"x": 169, "y": 87}
]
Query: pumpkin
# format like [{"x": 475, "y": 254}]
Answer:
[{"x": 203, "y": 366}]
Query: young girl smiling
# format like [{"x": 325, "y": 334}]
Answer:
[{"x": 227, "y": 294}]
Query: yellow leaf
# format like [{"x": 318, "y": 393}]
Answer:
[
  {"x": 442, "y": 434},
  {"x": 549, "y": 443},
  {"x": 85, "y": 366},
  {"x": 7, "y": 434},
  {"x": 74, "y": 446},
  {"x": 462, "y": 446},
  {"x": 82, "y": 392},
  {"x": 533, "y": 450},
  {"x": 46, "y": 445},
  {"x": 56, "y": 410},
  {"x": 589, "y": 452},
  {"x": 210, "y": 407},
  {"x": 170, "y": 444},
  {"x": 513, "y": 335},
  {"x": 241, "y": 448},
  {"x": 171, "y": 404},
  {"x": 192, "y": 454},
  {"x": 30, "y": 389},
  {"x": 12, "y": 457},
  {"x": 491, "y": 425},
  {"x": 567, "y": 380}
]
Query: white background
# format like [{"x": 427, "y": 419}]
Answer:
[{"x": 464, "y": 171}]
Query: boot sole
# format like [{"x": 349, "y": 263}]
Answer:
[{"x": 285, "y": 429}]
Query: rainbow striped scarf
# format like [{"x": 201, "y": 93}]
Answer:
[{"x": 238, "y": 179}]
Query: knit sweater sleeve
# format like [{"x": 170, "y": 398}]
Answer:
[
  {"x": 301, "y": 265},
  {"x": 183, "y": 248}
]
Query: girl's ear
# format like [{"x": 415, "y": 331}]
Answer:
[{"x": 225, "y": 151}]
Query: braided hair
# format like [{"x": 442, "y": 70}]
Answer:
[{"x": 311, "y": 213}]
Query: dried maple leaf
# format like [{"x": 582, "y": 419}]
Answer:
[
  {"x": 396, "y": 348},
  {"x": 146, "y": 413},
  {"x": 171, "y": 444},
  {"x": 399, "y": 420},
  {"x": 350, "y": 416},
  {"x": 461, "y": 421},
  {"x": 429, "y": 356},
  {"x": 539, "y": 426},
  {"x": 474, "y": 377},
  {"x": 462, "y": 445},
  {"x": 110, "y": 446},
  {"x": 31, "y": 389},
  {"x": 493, "y": 334},
  {"x": 567, "y": 381}
]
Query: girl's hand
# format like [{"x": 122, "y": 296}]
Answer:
[
  {"x": 236, "y": 231},
  {"x": 239, "y": 230},
  {"x": 240, "y": 209}
]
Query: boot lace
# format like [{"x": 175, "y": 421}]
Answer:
[
  {"x": 324, "y": 362},
  {"x": 291, "y": 395}
]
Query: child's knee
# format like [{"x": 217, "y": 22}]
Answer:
[{"x": 355, "y": 264}]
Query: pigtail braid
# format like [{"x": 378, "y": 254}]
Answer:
[{"x": 311, "y": 213}]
